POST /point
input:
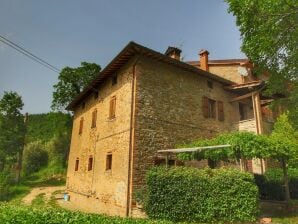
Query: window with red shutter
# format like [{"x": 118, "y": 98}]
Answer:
[
  {"x": 81, "y": 126},
  {"x": 220, "y": 109},
  {"x": 94, "y": 118},
  {"x": 205, "y": 106},
  {"x": 112, "y": 107}
]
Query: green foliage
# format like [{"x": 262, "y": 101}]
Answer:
[
  {"x": 271, "y": 184},
  {"x": 35, "y": 157},
  {"x": 44, "y": 127},
  {"x": 12, "y": 128},
  {"x": 204, "y": 195},
  {"x": 5, "y": 181},
  {"x": 71, "y": 82},
  {"x": 270, "y": 39},
  {"x": 16, "y": 214}
]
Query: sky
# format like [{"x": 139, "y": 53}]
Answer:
[{"x": 67, "y": 32}]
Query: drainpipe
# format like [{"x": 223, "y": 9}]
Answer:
[{"x": 131, "y": 135}]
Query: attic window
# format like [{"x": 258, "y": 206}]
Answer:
[
  {"x": 114, "y": 79},
  {"x": 210, "y": 84}
]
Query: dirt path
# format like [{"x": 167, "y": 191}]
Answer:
[{"x": 48, "y": 191}]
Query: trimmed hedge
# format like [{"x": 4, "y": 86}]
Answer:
[
  {"x": 203, "y": 195},
  {"x": 25, "y": 214},
  {"x": 271, "y": 184}
]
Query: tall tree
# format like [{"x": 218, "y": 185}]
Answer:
[
  {"x": 12, "y": 129},
  {"x": 270, "y": 39},
  {"x": 71, "y": 82}
]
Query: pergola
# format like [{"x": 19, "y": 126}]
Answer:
[{"x": 167, "y": 152}]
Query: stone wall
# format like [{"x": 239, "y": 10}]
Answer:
[
  {"x": 99, "y": 190},
  {"x": 169, "y": 112}
]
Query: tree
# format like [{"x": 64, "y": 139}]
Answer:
[
  {"x": 270, "y": 40},
  {"x": 71, "y": 82},
  {"x": 12, "y": 129}
]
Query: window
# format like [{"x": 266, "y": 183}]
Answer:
[
  {"x": 209, "y": 107},
  {"x": 96, "y": 95},
  {"x": 112, "y": 107},
  {"x": 210, "y": 84},
  {"x": 90, "y": 163},
  {"x": 81, "y": 126},
  {"x": 77, "y": 164},
  {"x": 220, "y": 109},
  {"x": 114, "y": 79},
  {"x": 94, "y": 118},
  {"x": 109, "y": 161}
]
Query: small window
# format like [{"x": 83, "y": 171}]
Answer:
[
  {"x": 112, "y": 107},
  {"x": 210, "y": 84},
  {"x": 77, "y": 164},
  {"x": 83, "y": 105},
  {"x": 208, "y": 107},
  {"x": 81, "y": 126},
  {"x": 90, "y": 163},
  {"x": 96, "y": 95},
  {"x": 109, "y": 161},
  {"x": 114, "y": 79},
  {"x": 94, "y": 118}
]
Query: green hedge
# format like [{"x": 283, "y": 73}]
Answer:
[
  {"x": 271, "y": 184},
  {"x": 25, "y": 214},
  {"x": 204, "y": 195}
]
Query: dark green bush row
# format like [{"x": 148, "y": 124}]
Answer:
[
  {"x": 22, "y": 214},
  {"x": 271, "y": 184},
  {"x": 203, "y": 195}
]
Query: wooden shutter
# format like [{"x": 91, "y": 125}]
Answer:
[
  {"x": 81, "y": 126},
  {"x": 220, "y": 109},
  {"x": 205, "y": 106},
  {"x": 94, "y": 118},
  {"x": 113, "y": 107}
]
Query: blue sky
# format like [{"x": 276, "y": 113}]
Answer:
[{"x": 67, "y": 32}]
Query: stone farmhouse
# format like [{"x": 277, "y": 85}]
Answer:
[{"x": 144, "y": 101}]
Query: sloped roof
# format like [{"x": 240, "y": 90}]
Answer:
[{"x": 127, "y": 53}]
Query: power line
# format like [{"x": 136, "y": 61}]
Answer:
[{"x": 28, "y": 54}]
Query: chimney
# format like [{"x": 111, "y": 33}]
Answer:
[
  {"x": 173, "y": 52},
  {"x": 204, "y": 60}
]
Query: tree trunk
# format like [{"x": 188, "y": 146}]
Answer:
[
  {"x": 286, "y": 181},
  {"x": 19, "y": 166}
]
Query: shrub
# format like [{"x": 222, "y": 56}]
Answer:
[
  {"x": 271, "y": 184},
  {"x": 24, "y": 214},
  {"x": 204, "y": 195},
  {"x": 35, "y": 157},
  {"x": 5, "y": 179}
]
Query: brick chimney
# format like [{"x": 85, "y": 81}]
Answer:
[
  {"x": 173, "y": 52},
  {"x": 204, "y": 60}
]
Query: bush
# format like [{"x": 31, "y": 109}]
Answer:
[
  {"x": 271, "y": 184},
  {"x": 35, "y": 157},
  {"x": 5, "y": 181},
  {"x": 204, "y": 195},
  {"x": 23, "y": 214}
]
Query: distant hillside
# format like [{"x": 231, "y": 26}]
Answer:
[{"x": 44, "y": 127}]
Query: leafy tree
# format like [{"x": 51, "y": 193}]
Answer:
[
  {"x": 35, "y": 157},
  {"x": 71, "y": 82},
  {"x": 12, "y": 129},
  {"x": 270, "y": 39}
]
